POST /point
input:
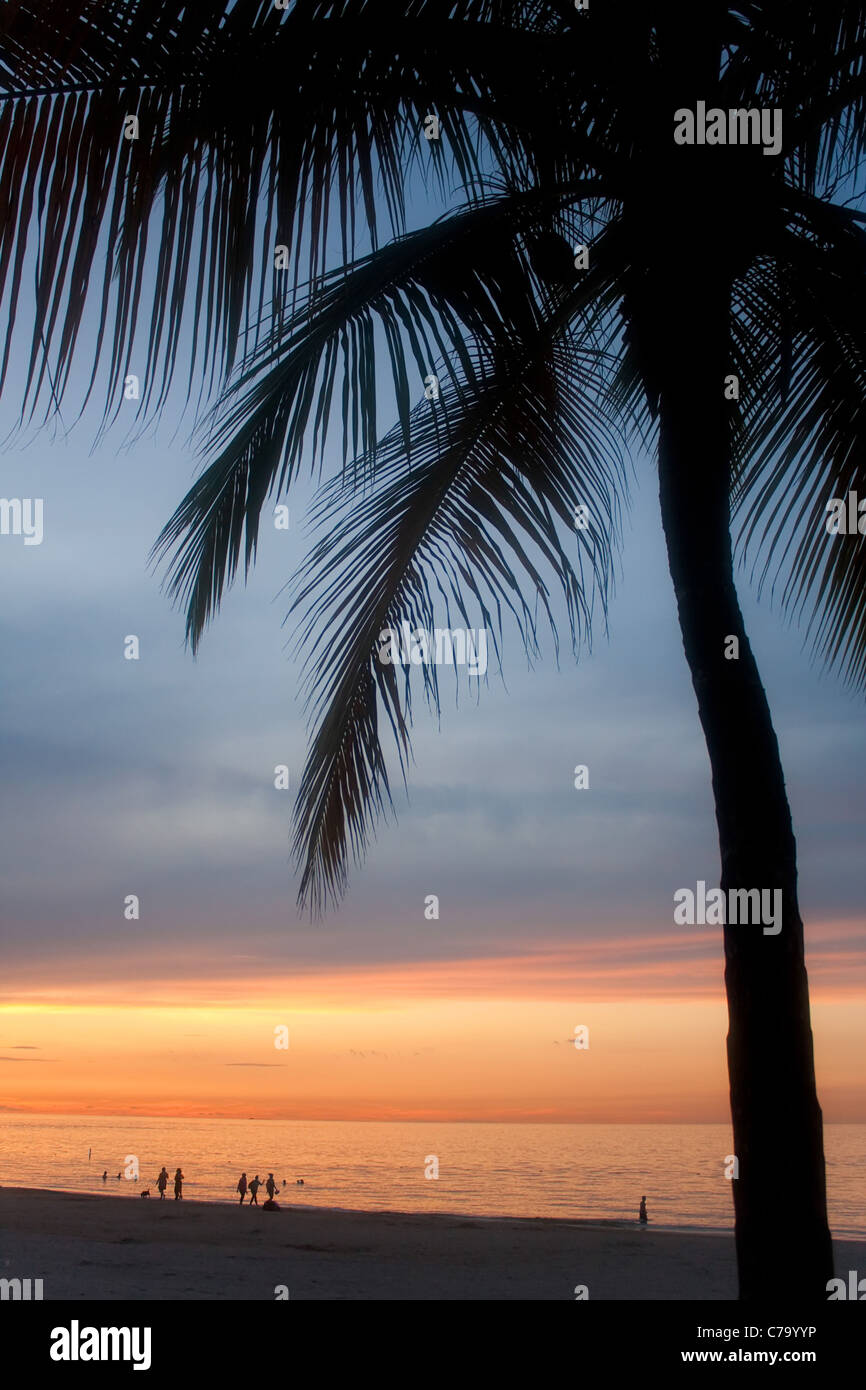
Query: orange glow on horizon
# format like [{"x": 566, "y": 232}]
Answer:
[{"x": 478, "y": 1039}]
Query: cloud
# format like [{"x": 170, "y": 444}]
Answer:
[
  {"x": 671, "y": 962},
  {"x": 156, "y": 778}
]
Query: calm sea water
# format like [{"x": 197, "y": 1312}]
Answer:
[{"x": 584, "y": 1172}]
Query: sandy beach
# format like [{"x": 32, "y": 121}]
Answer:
[{"x": 108, "y": 1247}]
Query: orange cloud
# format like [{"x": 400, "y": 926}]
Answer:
[{"x": 483, "y": 1038}]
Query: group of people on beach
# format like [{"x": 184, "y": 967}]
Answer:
[
  {"x": 162, "y": 1183},
  {"x": 270, "y": 1186}
]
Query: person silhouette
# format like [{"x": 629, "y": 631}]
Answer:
[
  {"x": 642, "y": 1216},
  {"x": 162, "y": 1182},
  {"x": 254, "y": 1190},
  {"x": 105, "y": 1176},
  {"x": 178, "y": 1185},
  {"x": 242, "y": 1188},
  {"x": 270, "y": 1187}
]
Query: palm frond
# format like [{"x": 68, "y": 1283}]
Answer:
[
  {"x": 497, "y": 467},
  {"x": 809, "y": 60},
  {"x": 254, "y": 125},
  {"x": 799, "y": 449},
  {"x": 464, "y": 278}
]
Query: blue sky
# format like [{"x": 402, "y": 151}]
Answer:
[{"x": 156, "y": 777}]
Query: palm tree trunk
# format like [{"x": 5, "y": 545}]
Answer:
[{"x": 782, "y": 1236}]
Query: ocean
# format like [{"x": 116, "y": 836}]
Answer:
[{"x": 580, "y": 1172}]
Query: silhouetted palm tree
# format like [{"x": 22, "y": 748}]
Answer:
[{"x": 256, "y": 128}]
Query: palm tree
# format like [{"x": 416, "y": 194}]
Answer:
[{"x": 702, "y": 264}]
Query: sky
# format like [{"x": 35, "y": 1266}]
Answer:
[{"x": 155, "y": 777}]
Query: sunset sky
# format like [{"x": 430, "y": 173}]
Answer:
[
  {"x": 155, "y": 778},
  {"x": 555, "y": 905}
]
